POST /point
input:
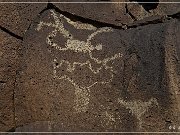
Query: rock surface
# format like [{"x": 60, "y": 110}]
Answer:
[
  {"x": 9, "y": 52},
  {"x": 83, "y": 78},
  {"x": 71, "y": 68},
  {"x": 18, "y": 17},
  {"x": 119, "y": 13}
]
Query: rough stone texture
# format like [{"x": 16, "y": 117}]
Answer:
[
  {"x": 118, "y": 13},
  {"x": 172, "y": 62},
  {"x": 73, "y": 76},
  {"x": 18, "y": 17},
  {"x": 111, "y": 83},
  {"x": 37, "y": 126},
  {"x": 9, "y": 49},
  {"x": 139, "y": 12}
]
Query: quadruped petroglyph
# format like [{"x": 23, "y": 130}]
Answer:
[
  {"x": 82, "y": 93},
  {"x": 138, "y": 108},
  {"x": 82, "y": 89}
]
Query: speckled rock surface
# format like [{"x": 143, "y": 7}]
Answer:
[
  {"x": 89, "y": 67},
  {"x": 18, "y": 17},
  {"x": 107, "y": 13},
  {"x": 37, "y": 126},
  {"x": 9, "y": 49},
  {"x": 83, "y": 78},
  {"x": 120, "y": 13}
]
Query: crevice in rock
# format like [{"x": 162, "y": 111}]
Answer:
[
  {"x": 168, "y": 121},
  {"x": 11, "y": 130},
  {"x": 175, "y": 16},
  {"x": 144, "y": 23},
  {"x": 74, "y": 17},
  {"x": 2, "y": 82},
  {"x": 14, "y": 108},
  {"x": 38, "y": 14},
  {"x": 99, "y": 24},
  {"x": 148, "y": 6},
  {"x": 11, "y": 33},
  {"x": 14, "y": 84},
  {"x": 129, "y": 13}
]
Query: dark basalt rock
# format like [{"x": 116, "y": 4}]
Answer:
[
  {"x": 9, "y": 56},
  {"x": 120, "y": 13},
  {"x": 89, "y": 67},
  {"x": 18, "y": 17},
  {"x": 117, "y": 84},
  {"x": 148, "y": 6}
]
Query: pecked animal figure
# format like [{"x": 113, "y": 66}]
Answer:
[{"x": 87, "y": 70}]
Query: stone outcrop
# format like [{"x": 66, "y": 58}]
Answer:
[{"x": 71, "y": 68}]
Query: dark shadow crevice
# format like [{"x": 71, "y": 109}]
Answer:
[
  {"x": 11, "y": 33},
  {"x": 74, "y": 17},
  {"x": 100, "y": 24},
  {"x": 148, "y": 5},
  {"x": 129, "y": 13},
  {"x": 12, "y": 130},
  {"x": 175, "y": 16}
]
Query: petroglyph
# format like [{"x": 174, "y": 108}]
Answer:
[
  {"x": 110, "y": 119},
  {"x": 138, "y": 108},
  {"x": 82, "y": 91},
  {"x": 75, "y": 45}
]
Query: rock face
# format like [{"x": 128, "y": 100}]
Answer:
[
  {"x": 77, "y": 71},
  {"x": 84, "y": 78},
  {"x": 18, "y": 17},
  {"x": 120, "y": 13},
  {"x": 9, "y": 56}
]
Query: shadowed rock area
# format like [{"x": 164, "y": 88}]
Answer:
[{"x": 71, "y": 70}]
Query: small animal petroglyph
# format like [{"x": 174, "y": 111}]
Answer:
[
  {"x": 138, "y": 108},
  {"x": 82, "y": 93}
]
